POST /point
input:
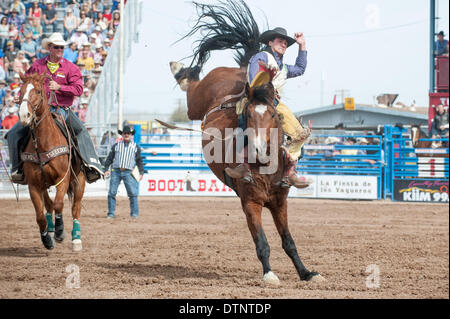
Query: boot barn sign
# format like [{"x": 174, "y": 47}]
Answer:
[{"x": 197, "y": 183}]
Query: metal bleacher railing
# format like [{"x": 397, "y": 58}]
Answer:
[
  {"x": 104, "y": 101},
  {"x": 405, "y": 162}
]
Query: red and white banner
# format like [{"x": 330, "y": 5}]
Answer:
[{"x": 198, "y": 183}]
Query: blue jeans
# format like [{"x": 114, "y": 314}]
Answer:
[
  {"x": 52, "y": 27},
  {"x": 132, "y": 187}
]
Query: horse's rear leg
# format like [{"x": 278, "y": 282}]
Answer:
[
  {"x": 253, "y": 214},
  {"x": 78, "y": 192},
  {"x": 279, "y": 213},
  {"x": 37, "y": 200}
]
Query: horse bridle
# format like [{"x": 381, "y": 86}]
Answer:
[{"x": 34, "y": 117}]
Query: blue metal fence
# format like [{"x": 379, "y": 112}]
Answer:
[
  {"x": 406, "y": 163},
  {"x": 387, "y": 157},
  {"x": 340, "y": 158}
]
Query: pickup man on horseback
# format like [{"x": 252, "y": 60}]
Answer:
[
  {"x": 277, "y": 42},
  {"x": 65, "y": 80}
]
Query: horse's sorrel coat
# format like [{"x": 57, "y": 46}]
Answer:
[{"x": 63, "y": 171}]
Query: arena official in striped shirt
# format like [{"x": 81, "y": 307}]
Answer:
[{"x": 124, "y": 157}]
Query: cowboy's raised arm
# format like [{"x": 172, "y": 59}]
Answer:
[{"x": 301, "y": 61}]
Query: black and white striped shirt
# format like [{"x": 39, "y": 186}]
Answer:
[{"x": 126, "y": 156}]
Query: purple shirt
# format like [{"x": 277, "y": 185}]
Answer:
[
  {"x": 293, "y": 70},
  {"x": 68, "y": 76}
]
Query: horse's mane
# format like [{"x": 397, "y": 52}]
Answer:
[
  {"x": 264, "y": 93},
  {"x": 35, "y": 77},
  {"x": 229, "y": 25}
]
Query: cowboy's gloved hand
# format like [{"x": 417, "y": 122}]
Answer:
[
  {"x": 54, "y": 86},
  {"x": 300, "y": 38}
]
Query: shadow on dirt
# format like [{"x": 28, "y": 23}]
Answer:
[
  {"x": 22, "y": 252},
  {"x": 155, "y": 270}
]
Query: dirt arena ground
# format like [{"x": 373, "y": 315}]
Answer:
[{"x": 201, "y": 248}]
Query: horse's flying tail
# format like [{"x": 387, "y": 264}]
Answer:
[{"x": 228, "y": 25}]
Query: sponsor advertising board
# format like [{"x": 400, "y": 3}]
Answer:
[
  {"x": 432, "y": 191},
  {"x": 198, "y": 183}
]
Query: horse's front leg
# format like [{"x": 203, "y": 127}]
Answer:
[
  {"x": 58, "y": 205},
  {"x": 78, "y": 186},
  {"x": 58, "y": 226},
  {"x": 253, "y": 213},
  {"x": 279, "y": 214},
  {"x": 37, "y": 200},
  {"x": 48, "y": 204}
]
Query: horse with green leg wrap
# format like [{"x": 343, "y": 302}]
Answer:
[{"x": 49, "y": 160}]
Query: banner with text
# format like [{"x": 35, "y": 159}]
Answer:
[
  {"x": 198, "y": 183},
  {"x": 430, "y": 191}
]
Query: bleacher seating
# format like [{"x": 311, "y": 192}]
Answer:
[{"x": 7, "y": 72}]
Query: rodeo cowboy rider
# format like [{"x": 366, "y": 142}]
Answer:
[
  {"x": 277, "y": 42},
  {"x": 67, "y": 82}
]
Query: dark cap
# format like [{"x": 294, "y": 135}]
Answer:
[
  {"x": 270, "y": 35},
  {"x": 126, "y": 129}
]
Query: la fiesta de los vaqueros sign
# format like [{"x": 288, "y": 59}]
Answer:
[{"x": 432, "y": 191}]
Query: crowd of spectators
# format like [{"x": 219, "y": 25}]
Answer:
[
  {"x": 88, "y": 26},
  {"x": 324, "y": 146}
]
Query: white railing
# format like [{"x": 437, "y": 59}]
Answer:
[{"x": 104, "y": 102}]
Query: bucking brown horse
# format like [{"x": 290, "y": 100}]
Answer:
[
  {"x": 49, "y": 161},
  {"x": 213, "y": 100}
]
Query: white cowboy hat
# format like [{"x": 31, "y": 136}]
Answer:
[
  {"x": 56, "y": 39},
  {"x": 331, "y": 140},
  {"x": 362, "y": 140},
  {"x": 12, "y": 109}
]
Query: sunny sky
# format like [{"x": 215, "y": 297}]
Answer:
[{"x": 367, "y": 47}]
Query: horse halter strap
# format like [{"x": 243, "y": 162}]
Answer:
[{"x": 34, "y": 108}]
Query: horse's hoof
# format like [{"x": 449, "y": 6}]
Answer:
[
  {"x": 48, "y": 241},
  {"x": 315, "y": 277},
  {"x": 271, "y": 279},
  {"x": 76, "y": 245},
  {"x": 60, "y": 236}
]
